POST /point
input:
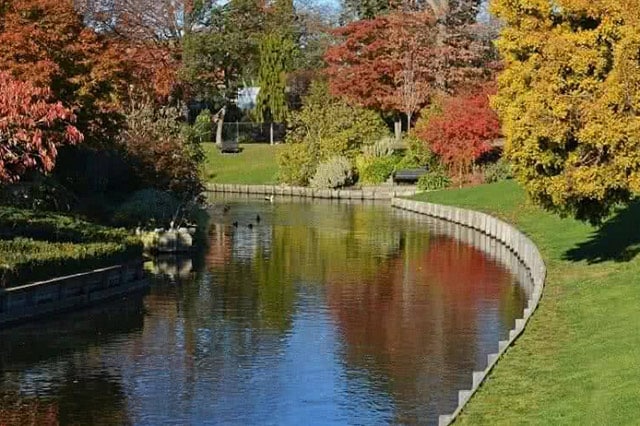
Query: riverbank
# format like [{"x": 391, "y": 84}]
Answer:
[{"x": 577, "y": 362}]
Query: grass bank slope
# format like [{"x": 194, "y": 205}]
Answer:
[
  {"x": 578, "y": 361},
  {"x": 254, "y": 165}
]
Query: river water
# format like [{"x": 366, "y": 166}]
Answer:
[{"x": 319, "y": 313}]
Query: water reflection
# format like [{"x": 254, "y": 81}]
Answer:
[{"x": 325, "y": 313}]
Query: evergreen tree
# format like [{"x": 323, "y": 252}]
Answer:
[{"x": 277, "y": 51}]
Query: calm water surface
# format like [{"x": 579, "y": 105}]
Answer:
[{"x": 322, "y": 313}]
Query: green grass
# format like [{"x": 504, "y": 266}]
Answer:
[
  {"x": 255, "y": 165},
  {"x": 578, "y": 361}
]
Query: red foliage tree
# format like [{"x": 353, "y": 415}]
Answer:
[
  {"x": 397, "y": 61},
  {"x": 31, "y": 128},
  {"x": 366, "y": 68},
  {"x": 46, "y": 43},
  {"x": 462, "y": 131}
]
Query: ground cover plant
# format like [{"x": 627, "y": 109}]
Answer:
[
  {"x": 38, "y": 245},
  {"x": 577, "y": 361}
]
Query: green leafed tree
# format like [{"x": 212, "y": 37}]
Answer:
[
  {"x": 569, "y": 100},
  {"x": 276, "y": 53},
  {"x": 224, "y": 51}
]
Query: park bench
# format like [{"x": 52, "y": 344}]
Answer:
[
  {"x": 229, "y": 146},
  {"x": 409, "y": 175}
]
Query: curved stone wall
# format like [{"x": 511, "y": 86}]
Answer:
[{"x": 519, "y": 244}]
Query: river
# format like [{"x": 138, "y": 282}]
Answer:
[{"x": 317, "y": 313}]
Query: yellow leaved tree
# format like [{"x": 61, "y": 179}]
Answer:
[{"x": 569, "y": 100}]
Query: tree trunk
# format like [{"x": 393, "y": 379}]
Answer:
[
  {"x": 271, "y": 133},
  {"x": 409, "y": 123},
  {"x": 219, "y": 124},
  {"x": 397, "y": 125}
]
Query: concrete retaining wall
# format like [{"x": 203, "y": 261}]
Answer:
[
  {"x": 519, "y": 244},
  {"x": 18, "y": 304},
  {"x": 371, "y": 193}
]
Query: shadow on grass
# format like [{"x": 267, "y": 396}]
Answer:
[{"x": 618, "y": 239}]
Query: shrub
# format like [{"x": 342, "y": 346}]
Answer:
[
  {"x": 498, "y": 171},
  {"x": 375, "y": 170},
  {"x": 381, "y": 148},
  {"x": 436, "y": 179},
  {"x": 42, "y": 193},
  {"x": 297, "y": 164},
  {"x": 26, "y": 260},
  {"x": 148, "y": 207},
  {"x": 54, "y": 227},
  {"x": 418, "y": 153},
  {"x": 202, "y": 126},
  {"x": 36, "y": 245},
  {"x": 161, "y": 150},
  {"x": 326, "y": 127},
  {"x": 334, "y": 173}
]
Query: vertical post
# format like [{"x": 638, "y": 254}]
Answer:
[
  {"x": 397, "y": 125},
  {"x": 271, "y": 133},
  {"x": 237, "y": 132}
]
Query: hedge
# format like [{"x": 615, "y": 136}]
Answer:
[
  {"x": 37, "y": 246},
  {"x": 53, "y": 227}
]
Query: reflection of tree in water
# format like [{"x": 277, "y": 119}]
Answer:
[
  {"x": 27, "y": 411},
  {"x": 413, "y": 325},
  {"x": 222, "y": 335},
  {"x": 77, "y": 391},
  {"x": 34, "y": 342},
  {"x": 58, "y": 386},
  {"x": 97, "y": 399},
  {"x": 315, "y": 241}
]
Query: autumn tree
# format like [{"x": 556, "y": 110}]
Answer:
[
  {"x": 160, "y": 151},
  {"x": 149, "y": 20},
  {"x": 569, "y": 100},
  {"x": 46, "y": 43},
  {"x": 32, "y": 127},
  {"x": 365, "y": 68},
  {"x": 461, "y": 131}
]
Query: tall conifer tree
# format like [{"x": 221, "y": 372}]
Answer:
[{"x": 277, "y": 51}]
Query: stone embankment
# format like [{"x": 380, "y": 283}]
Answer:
[
  {"x": 44, "y": 298},
  {"x": 366, "y": 193}
]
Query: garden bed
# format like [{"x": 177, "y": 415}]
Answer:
[{"x": 37, "y": 246}]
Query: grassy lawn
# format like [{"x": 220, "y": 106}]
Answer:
[
  {"x": 578, "y": 361},
  {"x": 256, "y": 164}
]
